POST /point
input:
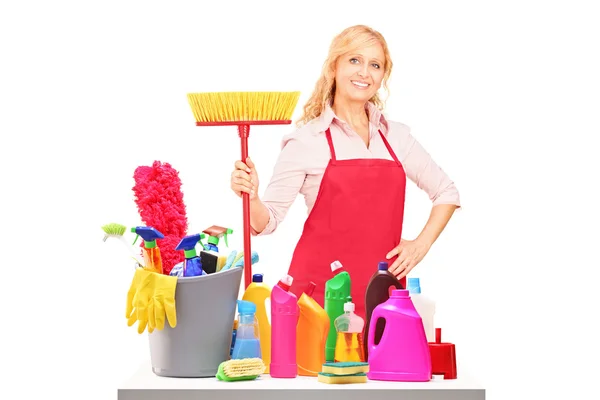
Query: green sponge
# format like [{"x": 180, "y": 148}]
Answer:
[
  {"x": 342, "y": 379},
  {"x": 345, "y": 368}
]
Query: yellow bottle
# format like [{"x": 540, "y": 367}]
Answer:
[
  {"x": 311, "y": 334},
  {"x": 257, "y": 292}
]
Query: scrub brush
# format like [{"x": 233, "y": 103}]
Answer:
[
  {"x": 114, "y": 230},
  {"x": 244, "y": 369}
]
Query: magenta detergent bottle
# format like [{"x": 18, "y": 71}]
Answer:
[
  {"x": 402, "y": 354},
  {"x": 284, "y": 319}
]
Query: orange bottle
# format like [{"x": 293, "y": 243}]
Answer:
[
  {"x": 258, "y": 292},
  {"x": 311, "y": 334}
]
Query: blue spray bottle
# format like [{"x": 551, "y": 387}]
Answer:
[
  {"x": 152, "y": 257},
  {"x": 192, "y": 266}
]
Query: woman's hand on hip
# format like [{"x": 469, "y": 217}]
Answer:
[
  {"x": 244, "y": 179},
  {"x": 410, "y": 253}
]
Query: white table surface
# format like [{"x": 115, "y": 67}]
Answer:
[{"x": 145, "y": 385}]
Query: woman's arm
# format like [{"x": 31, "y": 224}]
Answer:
[
  {"x": 438, "y": 219},
  {"x": 259, "y": 215},
  {"x": 288, "y": 177},
  {"x": 411, "y": 252},
  {"x": 429, "y": 177}
]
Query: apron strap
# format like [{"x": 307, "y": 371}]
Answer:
[
  {"x": 330, "y": 142},
  {"x": 389, "y": 148}
]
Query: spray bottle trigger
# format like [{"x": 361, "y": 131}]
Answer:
[
  {"x": 136, "y": 235},
  {"x": 202, "y": 236},
  {"x": 227, "y": 232}
]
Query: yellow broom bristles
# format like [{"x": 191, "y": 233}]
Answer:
[{"x": 243, "y": 106}]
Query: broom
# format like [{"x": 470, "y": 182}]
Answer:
[{"x": 243, "y": 109}]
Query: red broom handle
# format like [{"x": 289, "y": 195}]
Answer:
[{"x": 244, "y": 132}]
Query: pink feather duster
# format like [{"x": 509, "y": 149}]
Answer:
[{"x": 160, "y": 204}]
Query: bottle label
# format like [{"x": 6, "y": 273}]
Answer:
[
  {"x": 284, "y": 310},
  {"x": 335, "y": 295}
]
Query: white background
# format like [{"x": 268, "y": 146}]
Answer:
[{"x": 504, "y": 95}]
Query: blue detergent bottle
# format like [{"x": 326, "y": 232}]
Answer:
[
  {"x": 247, "y": 340},
  {"x": 192, "y": 266}
]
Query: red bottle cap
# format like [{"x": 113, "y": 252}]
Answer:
[
  {"x": 285, "y": 283},
  {"x": 310, "y": 289}
]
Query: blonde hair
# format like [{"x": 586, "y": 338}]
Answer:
[{"x": 348, "y": 40}]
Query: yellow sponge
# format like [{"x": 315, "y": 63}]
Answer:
[
  {"x": 325, "y": 377},
  {"x": 345, "y": 368},
  {"x": 221, "y": 260}
]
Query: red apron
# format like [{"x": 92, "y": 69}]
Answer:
[{"x": 356, "y": 219}]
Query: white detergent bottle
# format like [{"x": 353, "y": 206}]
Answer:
[{"x": 425, "y": 307}]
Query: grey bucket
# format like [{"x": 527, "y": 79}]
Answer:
[{"x": 201, "y": 340}]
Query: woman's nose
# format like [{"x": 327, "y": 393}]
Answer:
[{"x": 363, "y": 72}]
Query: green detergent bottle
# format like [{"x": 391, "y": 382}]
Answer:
[{"x": 337, "y": 289}]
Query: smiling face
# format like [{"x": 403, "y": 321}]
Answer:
[{"x": 358, "y": 74}]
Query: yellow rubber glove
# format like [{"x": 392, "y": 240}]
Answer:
[
  {"x": 132, "y": 291},
  {"x": 130, "y": 311},
  {"x": 142, "y": 290},
  {"x": 162, "y": 303}
]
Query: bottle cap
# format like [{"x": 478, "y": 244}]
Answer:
[
  {"x": 148, "y": 234},
  {"x": 349, "y": 307},
  {"x": 216, "y": 232},
  {"x": 286, "y": 282},
  {"x": 413, "y": 285},
  {"x": 188, "y": 245},
  {"x": 257, "y": 278},
  {"x": 382, "y": 266},
  {"x": 336, "y": 265},
  {"x": 246, "y": 307},
  {"x": 443, "y": 356},
  {"x": 400, "y": 293},
  {"x": 310, "y": 289}
]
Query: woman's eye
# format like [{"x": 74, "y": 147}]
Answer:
[
  {"x": 376, "y": 66},
  {"x": 353, "y": 60}
]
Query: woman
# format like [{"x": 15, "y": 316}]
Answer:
[{"x": 351, "y": 164}]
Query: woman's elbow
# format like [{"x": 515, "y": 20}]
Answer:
[
  {"x": 268, "y": 229},
  {"x": 448, "y": 195}
]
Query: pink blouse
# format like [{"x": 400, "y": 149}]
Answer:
[{"x": 305, "y": 155}]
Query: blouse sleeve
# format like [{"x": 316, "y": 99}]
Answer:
[
  {"x": 425, "y": 173},
  {"x": 288, "y": 177}
]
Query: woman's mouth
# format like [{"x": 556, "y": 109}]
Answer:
[{"x": 360, "y": 85}]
